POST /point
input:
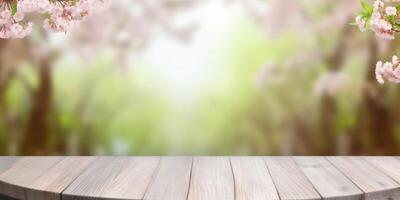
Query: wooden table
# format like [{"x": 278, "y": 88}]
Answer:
[{"x": 208, "y": 178}]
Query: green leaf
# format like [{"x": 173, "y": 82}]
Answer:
[
  {"x": 367, "y": 22},
  {"x": 391, "y": 19},
  {"x": 366, "y": 6},
  {"x": 13, "y": 8}
]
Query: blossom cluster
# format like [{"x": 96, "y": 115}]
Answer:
[
  {"x": 388, "y": 70},
  {"x": 59, "y": 15},
  {"x": 383, "y": 19}
]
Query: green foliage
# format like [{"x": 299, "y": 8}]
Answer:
[
  {"x": 13, "y": 6},
  {"x": 366, "y": 13}
]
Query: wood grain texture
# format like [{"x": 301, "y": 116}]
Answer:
[
  {"x": 114, "y": 178},
  {"x": 289, "y": 180},
  {"x": 6, "y": 162},
  {"x": 327, "y": 180},
  {"x": 171, "y": 181},
  {"x": 374, "y": 183},
  {"x": 389, "y": 165},
  {"x": 212, "y": 179},
  {"x": 50, "y": 185},
  {"x": 252, "y": 179},
  {"x": 23, "y": 173}
]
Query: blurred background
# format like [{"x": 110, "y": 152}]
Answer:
[{"x": 218, "y": 77}]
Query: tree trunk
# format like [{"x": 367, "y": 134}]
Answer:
[
  {"x": 328, "y": 124},
  {"x": 3, "y": 86},
  {"x": 375, "y": 121},
  {"x": 37, "y": 132},
  {"x": 328, "y": 104}
]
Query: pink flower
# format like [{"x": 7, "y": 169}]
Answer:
[
  {"x": 388, "y": 70},
  {"x": 15, "y": 30},
  {"x": 391, "y": 11},
  {"x": 379, "y": 72},
  {"x": 381, "y": 27},
  {"x": 361, "y": 23},
  {"x": 61, "y": 17}
]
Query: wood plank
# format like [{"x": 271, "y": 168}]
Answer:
[
  {"x": 50, "y": 185},
  {"x": 252, "y": 179},
  {"x": 289, "y": 180},
  {"x": 172, "y": 179},
  {"x": 212, "y": 179},
  {"x": 327, "y": 179},
  {"x": 374, "y": 183},
  {"x": 114, "y": 178},
  {"x": 389, "y": 165},
  {"x": 6, "y": 162},
  {"x": 3, "y": 197},
  {"x": 23, "y": 173}
]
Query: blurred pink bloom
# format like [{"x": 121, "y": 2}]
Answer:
[
  {"x": 60, "y": 16},
  {"x": 388, "y": 70},
  {"x": 331, "y": 83},
  {"x": 381, "y": 27},
  {"x": 361, "y": 23}
]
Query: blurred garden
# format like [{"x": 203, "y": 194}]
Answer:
[{"x": 195, "y": 77}]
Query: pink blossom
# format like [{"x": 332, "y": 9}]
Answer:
[
  {"x": 59, "y": 16},
  {"x": 331, "y": 83},
  {"x": 384, "y": 22},
  {"x": 360, "y": 23},
  {"x": 391, "y": 11},
  {"x": 381, "y": 27},
  {"x": 388, "y": 70},
  {"x": 15, "y": 30}
]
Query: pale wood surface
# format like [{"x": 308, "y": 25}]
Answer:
[
  {"x": 211, "y": 178},
  {"x": 328, "y": 180},
  {"x": 7, "y": 162},
  {"x": 252, "y": 179},
  {"x": 171, "y": 181},
  {"x": 290, "y": 182},
  {"x": 114, "y": 178},
  {"x": 374, "y": 183},
  {"x": 23, "y": 173},
  {"x": 389, "y": 165},
  {"x": 50, "y": 185}
]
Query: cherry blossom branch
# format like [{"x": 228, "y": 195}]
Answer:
[
  {"x": 59, "y": 15},
  {"x": 383, "y": 18}
]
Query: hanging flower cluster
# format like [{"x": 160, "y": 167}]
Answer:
[
  {"x": 388, "y": 70},
  {"x": 383, "y": 18},
  {"x": 60, "y": 15}
]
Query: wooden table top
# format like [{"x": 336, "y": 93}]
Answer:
[{"x": 208, "y": 178}]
